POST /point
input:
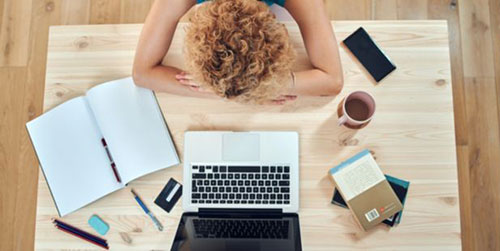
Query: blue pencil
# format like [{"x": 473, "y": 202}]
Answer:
[{"x": 147, "y": 211}]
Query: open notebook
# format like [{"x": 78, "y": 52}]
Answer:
[{"x": 68, "y": 142}]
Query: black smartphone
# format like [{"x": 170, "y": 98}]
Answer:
[{"x": 369, "y": 55}]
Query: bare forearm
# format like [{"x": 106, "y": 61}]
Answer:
[
  {"x": 315, "y": 83},
  {"x": 162, "y": 79}
]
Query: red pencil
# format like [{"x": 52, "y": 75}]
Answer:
[{"x": 81, "y": 237}]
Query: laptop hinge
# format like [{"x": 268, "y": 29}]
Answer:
[{"x": 239, "y": 212}]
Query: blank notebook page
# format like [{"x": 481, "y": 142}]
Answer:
[
  {"x": 131, "y": 121},
  {"x": 68, "y": 145}
]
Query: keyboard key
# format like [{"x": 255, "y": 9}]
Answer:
[
  {"x": 265, "y": 169},
  {"x": 195, "y": 196},
  {"x": 285, "y": 190},
  {"x": 242, "y": 189},
  {"x": 261, "y": 183},
  {"x": 208, "y": 201},
  {"x": 244, "y": 176},
  {"x": 218, "y": 196},
  {"x": 279, "y": 202},
  {"x": 286, "y": 176},
  {"x": 210, "y": 176},
  {"x": 247, "y": 183},
  {"x": 216, "y": 176},
  {"x": 275, "y": 183},
  {"x": 215, "y": 169},
  {"x": 201, "y": 189},
  {"x": 245, "y": 196},
  {"x": 271, "y": 176},
  {"x": 231, "y": 196},
  {"x": 215, "y": 202},
  {"x": 268, "y": 183},
  {"x": 257, "y": 176},
  {"x": 244, "y": 169},
  {"x": 273, "y": 196},
  {"x": 228, "y": 189},
  {"x": 287, "y": 169},
  {"x": 277, "y": 176},
  {"x": 259, "y": 196},
  {"x": 223, "y": 176},
  {"x": 264, "y": 176},
  {"x": 258, "y": 202},
  {"x": 233, "y": 182},
  {"x": 230, "y": 176},
  {"x": 276, "y": 190},
  {"x": 204, "y": 196},
  {"x": 213, "y": 182},
  {"x": 243, "y": 202},
  {"x": 284, "y": 183},
  {"x": 208, "y": 189},
  {"x": 262, "y": 189},
  {"x": 287, "y": 196},
  {"x": 206, "y": 182},
  {"x": 240, "y": 183},
  {"x": 238, "y": 196},
  {"x": 252, "y": 196},
  {"x": 199, "y": 183},
  {"x": 195, "y": 167},
  {"x": 214, "y": 189},
  {"x": 219, "y": 183},
  {"x": 287, "y": 202},
  {"x": 222, "y": 168},
  {"x": 194, "y": 201},
  {"x": 265, "y": 202},
  {"x": 208, "y": 167},
  {"x": 266, "y": 196},
  {"x": 235, "y": 189},
  {"x": 269, "y": 190},
  {"x": 272, "y": 202},
  {"x": 199, "y": 176},
  {"x": 202, "y": 169},
  {"x": 250, "y": 176},
  {"x": 211, "y": 196},
  {"x": 201, "y": 201},
  {"x": 249, "y": 189},
  {"x": 280, "y": 196},
  {"x": 280, "y": 169},
  {"x": 273, "y": 169},
  {"x": 225, "y": 196},
  {"x": 254, "y": 183}
]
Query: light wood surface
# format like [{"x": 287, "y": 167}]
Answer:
[
  {"x": 22, "y": 75},
  {"x": 412, "y": 137}
]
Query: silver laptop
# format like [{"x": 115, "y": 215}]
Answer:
[{"x": 244, "y": 170}]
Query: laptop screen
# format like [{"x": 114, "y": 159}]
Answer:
[{"x": 237, "y": 233}]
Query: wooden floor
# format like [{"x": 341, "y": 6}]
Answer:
[{"x": 474, "y": 28}]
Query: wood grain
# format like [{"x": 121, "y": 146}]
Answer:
[
  {"x": 14, "y": 30},
  {"x": 409, "y": 102}
]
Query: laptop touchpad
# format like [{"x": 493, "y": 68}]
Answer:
[{"x": 241, "y": 147}]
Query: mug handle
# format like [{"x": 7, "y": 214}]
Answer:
[{"x": 342, "y": 120}]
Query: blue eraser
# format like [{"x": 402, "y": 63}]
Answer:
[{"x": 98, "y": 224}]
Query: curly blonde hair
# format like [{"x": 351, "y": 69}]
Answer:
[{"x": 239, "y": 50}]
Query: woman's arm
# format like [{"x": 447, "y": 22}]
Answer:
[
  {"x": 321, "y": 46},
  {"x": 153, "y": 45}
]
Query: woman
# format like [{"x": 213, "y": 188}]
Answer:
[{"x": 236, "y": 49}]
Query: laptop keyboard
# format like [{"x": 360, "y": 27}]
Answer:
[
  {"x": 213, "y": 184},
  {"x": 238, "y": 228}
]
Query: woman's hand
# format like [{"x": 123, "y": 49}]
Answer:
[
  {"x": 282, "y": 99},
  {"x": 187, "y": 80}
]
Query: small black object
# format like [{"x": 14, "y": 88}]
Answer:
[
  {"x": 369, "y": 54},
  {"x": 167, "y": 201}
]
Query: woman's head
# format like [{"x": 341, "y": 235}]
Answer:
[{"x": 239, "y": 50}]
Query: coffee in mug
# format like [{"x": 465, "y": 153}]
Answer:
[{"x": 356, "y": 110}]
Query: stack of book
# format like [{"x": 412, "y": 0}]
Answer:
[{"x": 371, "y": 196}]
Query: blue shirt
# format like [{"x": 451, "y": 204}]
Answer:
[{"x": 268, "y": 2}]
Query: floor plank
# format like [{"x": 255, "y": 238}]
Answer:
[
  {"x": 11, "y": 237},
  {"x": 75, "y": 12},
  {"x": 134, "y": 11},
  {"x": 105, "y": 11},
  {"x": 355, "y": 10},
  {"x": 14, "y": 32},
  {"x": 412, "y": 9}
]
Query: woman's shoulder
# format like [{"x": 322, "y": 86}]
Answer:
[{"x": 268, "y": 2}]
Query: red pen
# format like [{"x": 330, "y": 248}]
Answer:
[{"x": 113, "y": 166}]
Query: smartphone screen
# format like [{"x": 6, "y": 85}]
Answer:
[{"x": 369, "y": 55}]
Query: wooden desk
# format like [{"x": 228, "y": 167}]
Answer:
[{"x": 412, "y": 137}]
